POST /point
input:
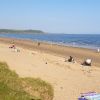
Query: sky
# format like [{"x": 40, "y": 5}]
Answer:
[{"x": 54, "y": 16}]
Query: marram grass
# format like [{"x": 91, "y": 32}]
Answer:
[{"x": 12, "y": 87}]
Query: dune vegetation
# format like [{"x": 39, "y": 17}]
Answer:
[{"x": 12, "y": 87}]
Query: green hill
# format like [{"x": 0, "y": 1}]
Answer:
[{"x": 20, "y": 31}]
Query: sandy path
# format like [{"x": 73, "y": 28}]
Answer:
[{"x": 68, "y": 80}]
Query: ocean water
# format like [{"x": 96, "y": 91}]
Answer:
[{"x": 91, "y": 41}]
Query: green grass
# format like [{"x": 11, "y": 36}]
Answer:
[{"x": 14, "y": 88}]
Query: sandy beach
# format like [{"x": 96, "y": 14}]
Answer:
[{"x": 47, "y": 61}]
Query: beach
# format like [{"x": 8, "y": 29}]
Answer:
[{"x": 47, "y": 61}]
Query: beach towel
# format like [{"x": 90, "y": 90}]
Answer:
[{"x": 89, "y": 96}]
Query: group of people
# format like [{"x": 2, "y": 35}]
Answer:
[
  {"x": 87, "y": 62},
  {"x": 14, "y": 47}
]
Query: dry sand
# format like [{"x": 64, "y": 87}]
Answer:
[{"x": 68, "y": 79}]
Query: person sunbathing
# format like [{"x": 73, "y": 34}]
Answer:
[
  {"x": 87, "y": 62},
  {"x": 71, "y": 59},
  {"x": 13, "y": 46}
]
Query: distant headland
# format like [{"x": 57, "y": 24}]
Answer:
[{"x": 20, "y": 31}]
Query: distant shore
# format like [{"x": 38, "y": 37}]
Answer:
[
  {"x": 20, "y": 31},
  {"x": 79, "y": 54}
]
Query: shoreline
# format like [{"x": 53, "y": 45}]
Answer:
[
  {"x": 72, "y": 44},
  {"x": 79, "y": 54}
]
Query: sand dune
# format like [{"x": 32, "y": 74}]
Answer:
[{"x": 68, "y": 79}]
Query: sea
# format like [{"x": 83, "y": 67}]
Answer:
[{"x": 90, "y": 41}]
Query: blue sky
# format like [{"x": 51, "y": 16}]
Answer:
[{"x": 56, "y": 16}]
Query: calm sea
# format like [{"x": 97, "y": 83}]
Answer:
[{"x": 91, "y": 41}]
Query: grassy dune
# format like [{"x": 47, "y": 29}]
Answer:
[{"x": 14, "y": 88}]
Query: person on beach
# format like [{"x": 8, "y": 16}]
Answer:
[
  {"x": 38, "y": 43},
  {"x": 71, "y": 59},
  {"x": 87, "y": 62},
  {"x": 13, "y": 46},
  {"x": 98, "y": 50}
]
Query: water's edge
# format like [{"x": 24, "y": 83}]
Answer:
[{"x": 73, "y": 40}]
